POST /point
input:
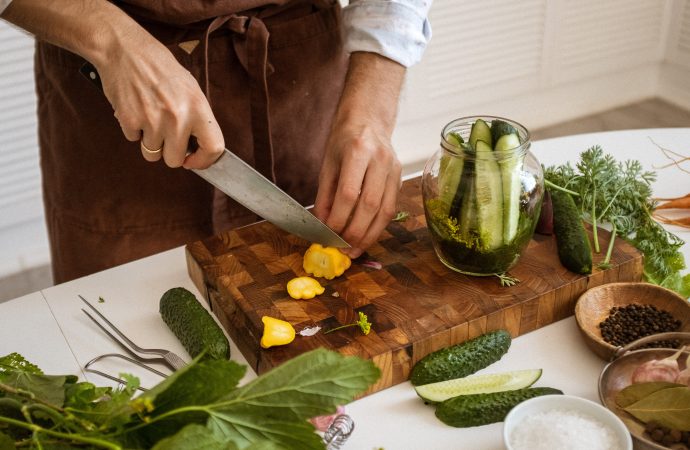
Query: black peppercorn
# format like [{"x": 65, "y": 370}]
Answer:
[{"x": 628, "y": 323}]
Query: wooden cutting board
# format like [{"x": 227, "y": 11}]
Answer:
[{"x": 415, "y": 303}]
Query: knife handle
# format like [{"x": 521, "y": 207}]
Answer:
[{"x": 89, "y": 71}]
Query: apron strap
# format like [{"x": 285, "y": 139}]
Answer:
[{"x": 250, "y": 41}]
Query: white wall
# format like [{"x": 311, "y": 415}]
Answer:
[
  {"x": 674, "y": 83},
  {"x": 536, "y": 61},
  {"x": 539, "y": 62},
  {"x": 23, "y": 242}
]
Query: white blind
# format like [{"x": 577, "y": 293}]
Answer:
[
  {"x": 682, "y": 45},
  {"x": 478, "y": 52},
  {"x": 596, "y": 37},
  {"x": 21, "y": 207}
]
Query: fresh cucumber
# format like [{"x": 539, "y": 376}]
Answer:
[
  {"x": 482, "y": 409},
  {"x": 193, "y": 325},
  {"x": 468, "y": 205},
  {"x": 478, "y": 384},
  {"x": 571, "y": 238},
  {"x": 450, "y": 173},
  {"x": 480, "y": 132},
  {"x": 489, "y": 196},
  {"x": 510, "y": 178},
  {"x": 462, "y": 359},
  {"x": 501, "y": 128}
]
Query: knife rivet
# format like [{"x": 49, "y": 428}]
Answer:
[{"x": 92, "y": 75}]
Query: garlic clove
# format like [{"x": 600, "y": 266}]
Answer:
[{"x": 666, "y": 369}]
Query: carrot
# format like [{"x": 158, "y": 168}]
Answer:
[
  {"x": 676, "y": 203},
  {"x": 662, "y": 199},
  {"x": 681, "y": 221}
]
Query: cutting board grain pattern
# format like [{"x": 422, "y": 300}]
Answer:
[{"x": 415, "y": 303}]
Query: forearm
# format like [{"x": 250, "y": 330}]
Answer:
[
  {"x": 371, "y": 93},
  {"x": 94, "y": 29}
]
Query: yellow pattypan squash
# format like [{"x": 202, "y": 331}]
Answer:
[
  {"x": 276, "y": 332},
  {"x": 304, "y": 288},
  {"x": 326, "y": 262}
]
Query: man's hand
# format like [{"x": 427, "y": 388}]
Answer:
[
  {"x": 155, "y": 99},
  {"x": 360, "y": 176},
  {"x": 160, "y": 103}
]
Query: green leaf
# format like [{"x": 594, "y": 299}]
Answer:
[
  {"x": 668, "y": 407},
  {"x": 81, "y": 395},
  {"x": 193, "y": 436},
  {"x": 276, "y": 405},
  {"x": 638, "y": 391},
  {"x": 198, "y": 384},
  {"x": 199, "y": 437},
  {"x": 15, "y": 361},
  {"x": 312, "y": 384},
  {"x": 245, "y": 428},
  {"x": 6, "y": 442},
  {"x": 47, "y": 388}
]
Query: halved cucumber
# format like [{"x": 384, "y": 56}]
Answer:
[
  {"x": 478, "y": 384},
  {"x": 480, "y": 132},
  {"x": 450, "y": 173},
  {"x": 488, "y": 196},
  {"x": 510, "y": 176}
]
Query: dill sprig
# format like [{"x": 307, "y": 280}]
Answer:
[{"x": 619, "y": 195}]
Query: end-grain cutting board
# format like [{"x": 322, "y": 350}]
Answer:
[{"x": 415, "y": 303}]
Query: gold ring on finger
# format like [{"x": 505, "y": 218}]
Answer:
[{"x": 149, "y": 151}]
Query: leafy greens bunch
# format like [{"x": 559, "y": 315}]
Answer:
[
  {"x": 619, "y": 194},
  {"x": 199, "y": 406}
]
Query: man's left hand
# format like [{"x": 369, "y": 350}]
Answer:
[{"x": 360, "y": 175}]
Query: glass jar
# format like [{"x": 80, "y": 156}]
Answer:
[{"x": 482, "y": 204}]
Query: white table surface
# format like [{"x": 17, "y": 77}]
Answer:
[{"x": 50, "y": 330}]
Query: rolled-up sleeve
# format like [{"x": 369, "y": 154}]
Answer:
[
  {"x": 4, "y": 4},
  {"x": 396, "y": 29}
]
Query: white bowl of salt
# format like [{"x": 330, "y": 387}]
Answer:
[{"x": 564, "y": 422}]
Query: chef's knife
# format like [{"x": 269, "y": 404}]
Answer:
[{"x": 255, "y": 192}]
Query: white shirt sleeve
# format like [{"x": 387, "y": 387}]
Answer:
[
  {"x": 4, "y": 4},
  {"x": 396, "y": 29}
]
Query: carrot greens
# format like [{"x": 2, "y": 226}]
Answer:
[{"x": 619, "y": 195}]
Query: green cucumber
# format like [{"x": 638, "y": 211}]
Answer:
[
  {"x": 478, "y": 384},
  {"x": 482, "y": 409},
  {"x": 480, "y": 132},
  {"x": 462, "y": 359},
  {"x": 571, "y": 238},
  {"x": 510, "y": 177},
  {"x": 193, "y": 325},
  {"x": 501, "y": 128},
  {"x": 450, "y": 172},
  {"x": 489, "y": 197},
  {"x": 468, "y": 207}
]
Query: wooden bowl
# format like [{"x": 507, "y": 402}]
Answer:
[{"x": 595, "y": 304}]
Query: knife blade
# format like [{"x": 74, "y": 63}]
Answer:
[{"x": 255, "y": 192}]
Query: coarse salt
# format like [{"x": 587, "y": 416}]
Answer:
[{"x": 563, "y": 430}]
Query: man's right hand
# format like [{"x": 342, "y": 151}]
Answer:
[
  {"x": 160, "y": 103},
  {"x": 155, "y": 99}
]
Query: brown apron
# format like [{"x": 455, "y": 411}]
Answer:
[{"x": 273, "y": 74}]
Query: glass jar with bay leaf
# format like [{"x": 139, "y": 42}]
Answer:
[{"x": 482, "y": 194}]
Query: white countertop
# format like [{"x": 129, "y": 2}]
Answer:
[{"x": 49, "y": 329}]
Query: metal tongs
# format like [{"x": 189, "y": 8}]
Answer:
[{"x": 167, "y": 358}]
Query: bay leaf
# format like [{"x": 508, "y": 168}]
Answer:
[
  {"x": 668, "y": 407},
  {"x": 636, "y": 392}
]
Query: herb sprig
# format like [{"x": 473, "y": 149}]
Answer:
[
  {"x": 198, "y": 406},
  {"x": 619, "y": 194}
]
